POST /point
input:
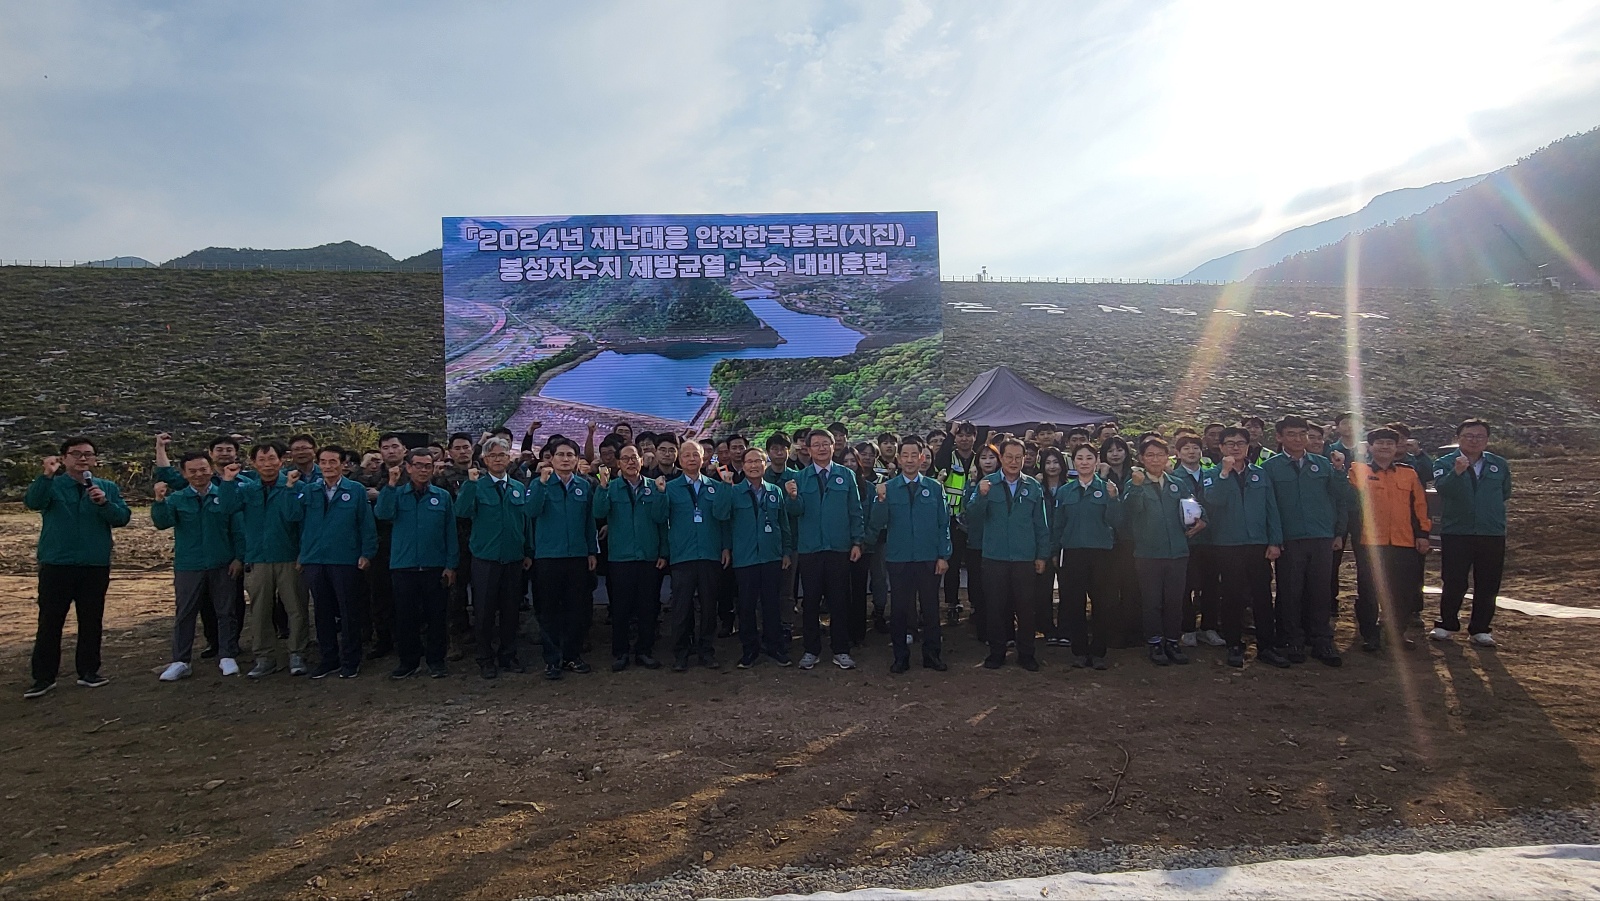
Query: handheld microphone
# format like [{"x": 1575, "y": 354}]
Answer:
[{"x": 88, "y": 479}]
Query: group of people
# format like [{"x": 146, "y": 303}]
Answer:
[{"x": 1083, "y": 538}]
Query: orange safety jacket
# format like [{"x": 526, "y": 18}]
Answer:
[{"x": 1394, "y": 508}]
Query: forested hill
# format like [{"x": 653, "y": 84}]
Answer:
[
  {"x": 343, "y": 255},
  {"x": 1538, "y": 218}
]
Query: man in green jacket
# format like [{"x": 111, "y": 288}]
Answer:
[
  {"x": 698, "y": 548},
  {"x": 208, "y": 556},
  {"x": 565, "y": 553},
  {"x": 1312, "y": 503},
  {"x": 1009, "y": 516},
  {"x": 337, "y": 540},
  {"x": 78, "y": 512},
  {"x": 635, "y": 512},
  {"x": 497, "y": 506},
  {"x": 761, "y": 550},
  {"x": 1161, "y": 516},
  {"x": 1473, "y": 487},
  {"x": 826, "y": 505},
  {"x": 271, "y": 554},
  {"x": 1246, "y": 535},
  {"x": 224, "y": 452},
  {"x": 911, "y": 511},
  {"x": 423, "y": 557}
]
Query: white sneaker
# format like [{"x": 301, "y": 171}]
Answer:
[
  {"x": 1188, "y": 640},
  {"x": 843, "y": 661},
  {"x": 1439, "y": 634},
  {"x": 297, "y": 665},
  {"x": 175, "y": 671},
  {"x": 1210, "y": 637},
  {"x": 1484, "y": 640},
  {"x": 808, "y": 660},
  {"x": 229, "y": 666}
]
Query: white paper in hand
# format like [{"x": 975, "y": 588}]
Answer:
[{"x": 1191, "y": 511}]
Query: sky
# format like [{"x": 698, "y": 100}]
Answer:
[{"x": 1119, "y": 139}]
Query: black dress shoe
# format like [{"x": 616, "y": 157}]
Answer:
[
  {"x": 1370, "y": 644},
  {"x": 552, "y": 672},
  {"x": 1030, "y": 664},
  {"x": 1295, "y": 654},
  {"x": 646, "y": 661},
  {"x": 993, "y": 662},
  {"x": 681, "y": 665},
  {"x": 1272, "y": 657},
  {"x": 208, "y": 653},
  {"x": 577, "y": 665},
  {"x": 383, "y": 647},
  {"x": 709, "y": 661},
  {"x": 512, "y": 665},
  {"x": 953, "y": 618},
  {"x": 1175, "y": 652},
  {"x": 618, "y": 664},
  {"x": 1158, "y": 655},
  {"x": 1236, "y": 656},
  {"x": 1325, "y": 652},
  {"x": 899, "y": 665}
]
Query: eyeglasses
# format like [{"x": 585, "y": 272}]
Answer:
[{"x": 80, "y": 454}]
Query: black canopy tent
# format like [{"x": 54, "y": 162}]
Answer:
[{"x": 1000, "y": 399}]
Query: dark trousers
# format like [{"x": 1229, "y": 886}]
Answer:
[
  {"x": 59, "y": 588},
  {"x": 1088, "y": 581},
  {"x": 1202, "y": 599},
  {"x": 1045, "y": 616},
  {"x": 459, "y": 614},
  {"x": 1483, "y": 559},
  {"x": 380, "y": 597},
  {"x": 565, "y": 604},
  {"x": 1161, "y": 585},
  {"x": 496, "y": 597},
  {"x": 208, "y": 618},
  {"x": 977, "y": 594},
  {"x": 693, "y": 617},
  {"x": 195, "y": 590},
  {"x": 1127, "y": 609},
  {"x": 336, "y": 594},
  {"x": 914, "y": 596},
  {"x": 826, "y": 576},
  {"x": 419, "y": 614},
  {"x": 634, "y": 588},
  {"x": 958, "y": 559},
  {"x": 856, "y": 610},
  {"x": 1388, "y": 588},
  {"x": 760, "y": 603},
  {"x": 1246, "y": 583},
  {"x": 1009, "y": 595},
  {"x": 1305, "y": 606},
  {"x": 727, "y": 600}
]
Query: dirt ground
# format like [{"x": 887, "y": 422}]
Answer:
[{"x": 460, "y": 787}]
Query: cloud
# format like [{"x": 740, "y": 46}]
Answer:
[{"x": 1055, "y": 139}]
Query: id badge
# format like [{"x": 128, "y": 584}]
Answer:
[
  {"x": 698, "y": 518},
  {"x": 769, "y": 528}
]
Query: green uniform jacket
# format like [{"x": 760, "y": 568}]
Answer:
[
  {"x": 1085, "y": 516},
  {"x": 1155, "y": 518},
  {"x": 1471, "y": 504},
  {"x": 973, "y": 525},
  {"x": 424, "y": 535},
  {"x": 689, "y": 540},
  {"x": 915, "y": 520},
  {"x": 871, "y": 538},
  {"x": 780, "y": 477},
  {"x": 831, "y": 522},
  {"x": 336, "y": 532},
  {"x": 1311, "y": 503},
  {"x": 271, "y": 526},
  {"x": 760, "y": 529},
  {"x": 1013, "y": 528},
  {"x": 636, "y": 525},
  {"x": 208, "y": 532},
  {"x": 75, "y": 530},
  {"x": 500, "y": 522},
  {"x": 1238, "y": 517},
  {"x": 563, "y": 518}
]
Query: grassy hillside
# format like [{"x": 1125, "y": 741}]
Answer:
[
  {"x": 126, "y": 353},
  {"x": 1523, "y": 359}
]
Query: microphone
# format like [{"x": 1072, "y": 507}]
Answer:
[{"x": 88, "y": 480}]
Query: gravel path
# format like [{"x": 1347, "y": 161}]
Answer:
[{"x": 1581, "y": 826}]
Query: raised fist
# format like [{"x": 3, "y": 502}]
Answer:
[
  {"x": 603, "y": 474},
  {"x": 983, "y": 488},
  {"x": 1461, "y": 463},
  {"x": 163, "y": 439},
  {"x": 1138, "y": 475},
  {"x": 1104, "y": 469},
  {"x": 727, "y": 474},
  {"x": 161, "y": 491},
  {"x": 1337, "y": 459},
  {"x": 544, "y": 474},
  {"x": 231, "y": 472},
  {"x": 394, "y": 476},
  {"x": 661, "y": 483},
  {"x": 1111, "y": 489},
  {"x": 51, "y": 465},
  {"x": 883, "y": 491},
  {"x": 791, "y": 488},
  {"x": 473, "y": 474},
  {"x": 293, "y": 477},
  {"x": 1228, "y": 465}
]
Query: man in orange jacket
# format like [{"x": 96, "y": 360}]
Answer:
[{"x": 1391, "y": 537}]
